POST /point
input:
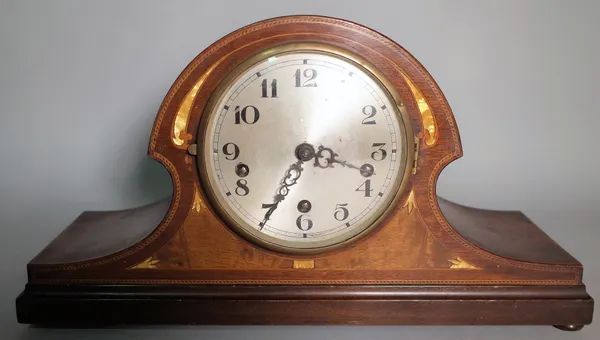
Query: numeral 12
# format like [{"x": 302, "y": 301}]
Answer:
[{"x": 309, "y": 73}]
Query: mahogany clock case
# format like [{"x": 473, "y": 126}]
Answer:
[{"x": 430, "y": 262}]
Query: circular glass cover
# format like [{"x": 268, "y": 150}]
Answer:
[{"x": 303, "y": 149}]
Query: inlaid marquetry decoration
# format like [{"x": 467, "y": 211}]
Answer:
[
  {"x": 410, "y": 202},
  {"x": 189, "y": 162},
  {"x": 429, "y": 126},
  {"x": 149, "y": 263},
  {"x": 180, "y": 134},
  {"x": 198, "y": 204},
  {"x": 304, "y": 264},
  {"x": 459, "y": 263}
]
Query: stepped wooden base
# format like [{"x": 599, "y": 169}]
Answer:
[
  {"x": 296, "y": 305},
  {"x": 71, "y": 282}
]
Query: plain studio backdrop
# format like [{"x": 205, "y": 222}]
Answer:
[{"x": 81, "y": 82}]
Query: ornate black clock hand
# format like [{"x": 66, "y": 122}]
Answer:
[
  {"x": 290, "y": 178},
  {"x": 366, "y": 170},
  {"x": 304, "y": 152}
]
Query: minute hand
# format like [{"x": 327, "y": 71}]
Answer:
[{"x": 290, "y": 178}]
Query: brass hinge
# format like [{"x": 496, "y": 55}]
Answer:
[{"x": 416, "y": 159}]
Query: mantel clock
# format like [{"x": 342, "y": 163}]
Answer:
[{"x": 304, "y": 153}]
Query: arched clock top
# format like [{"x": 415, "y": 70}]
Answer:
[{"x": 433, "y": 133}]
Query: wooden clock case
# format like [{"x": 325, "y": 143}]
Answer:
[{"x": 430, "y": 262}]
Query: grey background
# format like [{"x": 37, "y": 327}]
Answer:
[{"x": 81, "y": 81}]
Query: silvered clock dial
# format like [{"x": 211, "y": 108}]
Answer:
[{"x": 303, "y": 148}]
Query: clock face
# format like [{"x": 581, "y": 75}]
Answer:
[{"x": 303, "y": 150}]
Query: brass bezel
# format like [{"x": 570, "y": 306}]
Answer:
[{"x": 399, "y": 109}]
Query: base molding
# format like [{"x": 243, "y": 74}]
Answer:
[{"x": 295, "y": 305}]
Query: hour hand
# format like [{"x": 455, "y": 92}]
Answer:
[{"x": 325, "y": 158}]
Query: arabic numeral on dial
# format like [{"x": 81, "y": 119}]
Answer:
[
  {"x": 341, "y": 212},
  {"x": 380, "y": 154},
  {"x": 303, "y": 223},
  {"x": 265, "y": 87},
  {"x": 242, "y": 187},
  {"x": 271, "y": 208},
  {"x": 242, "y": 116},
  {"x": 370, "y": 111},
  {"x": 231, "y": 149},
  {"x": 366, "y": 187},
  {"x": 310, "y": 75}
]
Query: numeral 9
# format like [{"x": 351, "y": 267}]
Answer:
[{"x": 233, "y": 153}]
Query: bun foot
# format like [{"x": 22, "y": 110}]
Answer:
[{"x": 569, "y": 328}]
